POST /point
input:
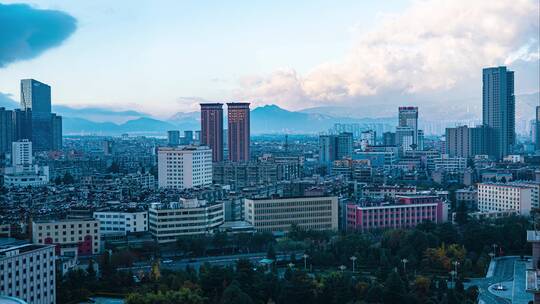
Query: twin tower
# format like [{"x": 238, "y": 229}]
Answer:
[{"x": 212, "y": 133}]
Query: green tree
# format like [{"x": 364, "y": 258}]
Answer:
[{"x": 233, "y": 294}]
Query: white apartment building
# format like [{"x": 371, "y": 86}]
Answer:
[
  {"x": 22, "y": 172},
  {"x": 184, "y": 167},
  {"x": 277, "y": 215},
  {"x": 121, "y": 222},
  {"x": 502, "y": 197},
  {"x": 21, "y": 153},
  {"x": 169, "y": 221},
  {"x": 28, "y": 272},
  {"x": 73, "y": 237}
]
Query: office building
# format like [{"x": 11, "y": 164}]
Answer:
[
  {"x": 344, "y": 145},
  {"x": 458, "y": 142},
  {"x": 28, "y": 272},
  {"x": 22, "y": 122},
  {"x": 121, "y": 222},
  {"x": 406, "y": 138},
  {"x": 72, "y": 237},
  {"x": 389, "y": 139},
  {"x": 56, "y": 122},
  {"x": 505, "y": 196},
  {"x": 184, "y": 167},
  {"x": 407, "y": 212},
  {"x": 188, "y": 217},
  {"x": 173, "y": 137},
  {"x": 408, "y": 118},
  {"x": 240, "y": 175},
  {"x": 238, "y": 131},
  {"x": 276, "y": 215},
  {"x": 537, "y": 129},
  {"x": 450, "y": 164},
  {"x": 36, "y": 96},
  {"x": 498, "y": 109},
  {"x": 7, "y": 130},
  {"x": 212, "y": 129}
]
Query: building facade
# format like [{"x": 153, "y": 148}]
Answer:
[
  {"x": 406, "y": 212},
  {"x": 238, "y": 142},
  {"x": 188, "y": 217},
  {"x": 121, "y": 222},
  {"x": 72, "y": 237},
  {"x": 212, "y": 129},
  {"x": 277, "y": 215},
  {"x": 28, "y": 272},
  {"x": 503, "y": 196},
  {"x": 184, "y": 167}
]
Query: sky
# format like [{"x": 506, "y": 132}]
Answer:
[{"x": 162, "y": 57}]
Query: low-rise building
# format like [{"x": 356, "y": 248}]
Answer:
[
  {"x": 188, "y": 217},
  {"x": 505, "y": 196},
  {"x": 279, "y": 214},
  {"x": 72, "y": 237},
  {"x": 121, "y": 222},
  {"x": 405, "y": 212},
  {"x": 28, "y": 272},
  {"x": 467, "y": 196}
]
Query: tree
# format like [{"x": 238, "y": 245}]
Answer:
[
  {"x": 113, "y": 168},
  {"x": 461, "y": 214},
  {"x": 68, "y": 179},
  {"x": 91, "y": 272},
  {"x": 234, "y": 295},
  {"x": 271, "y": 252},
  {"x": 393, "y": 288}
]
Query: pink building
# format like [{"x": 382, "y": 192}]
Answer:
[{"x": 407, "y": 211}]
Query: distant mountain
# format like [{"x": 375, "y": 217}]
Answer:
[
  {"x": 143, "y": 125},
  {"x": 98, "y": 114}
]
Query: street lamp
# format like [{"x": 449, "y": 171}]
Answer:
[
  {"x": 305, "y": 256},
  {"x": 453, "y": 274},
  {"x": 342, "y": 268},
  {"x": 353, "y": 259},
  {"x": 291, "y": 265},
  {"x": 456, "y": 264},
  {"x": 494, "y": 248},
  {"x": 404, "y": 261}
]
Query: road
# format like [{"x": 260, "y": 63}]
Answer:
[{"x": 502, "y": 272}]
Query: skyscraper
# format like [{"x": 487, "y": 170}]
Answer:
[
  {"x": 344, "y": 145},
  {"x": 36, "y": 96},
  {"x": 498, "y": 109},
  {"x": 537, "y": 131},
  {"x": 408, "y": 117},
  {"x": 7, "y": 130},
  {"x": 238, "y": 131},
  {"x": 457, "y": 142},
  {"x": 22, "y": 121},
  {"x": 212, "y": 129},
  {"x": 56, "y": 121}
]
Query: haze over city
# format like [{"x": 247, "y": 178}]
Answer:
[{"x": 270, "y": 152}]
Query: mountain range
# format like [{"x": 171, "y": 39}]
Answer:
[{"x": 267, "y": 119}]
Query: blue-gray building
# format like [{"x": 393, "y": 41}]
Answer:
[{"x": 498, "y": 109}]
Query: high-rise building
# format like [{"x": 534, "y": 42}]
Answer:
[
  {"x": 22, "y": 121},
  {"x": 405, "y": 138},
  {"x": 408, "y": 117},
  {"x": 389, "y": 139},
  {"x": 238, "y": 131},
  {"x": 173, "y": 137},
  {"x": 344, "y": 145},
  {"x": 21, "y": 153},
  {"x": 7, "y": 130},
  {"x": 184, "y": 167},
  {"x": 28, "y": 272},
  {"x": 188, "y": 137},
  {"x": 36, "y": 96},
  {"x": 458, "y": 142},
  {"x": 327, "y": 148},
  {"x": 212, "y": 129},
  {"x": 56, "y": 132},
  {"x": 498, "y": 109}
]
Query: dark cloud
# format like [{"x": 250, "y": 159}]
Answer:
[{"x": 26, "y": 32}]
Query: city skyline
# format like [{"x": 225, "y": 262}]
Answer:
[{"x": 282, "y": 69}]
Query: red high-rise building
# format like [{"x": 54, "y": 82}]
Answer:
[
  {"x": 212, "y": 129},
  {"x": 238, "y": 131}
]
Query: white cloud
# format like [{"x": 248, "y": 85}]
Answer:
[{"x": 433, "y": 45}]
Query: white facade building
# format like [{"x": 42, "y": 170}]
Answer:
[
  {"x": 22, "y": 172},
  {"x": 502, "y": 197},
  {"x": 184, "y": 167},
  {"x": 450, "y": 164},
  {"x": 121, "y": 222},
  {"x": 21, "y": 153},
  {"x": 167, "y": 222},
  {"x": 277, "y": 215},
  {"x": 28, "y": 272}
]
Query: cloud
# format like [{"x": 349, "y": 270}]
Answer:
[
  {"x": 434, "y": 45},
  {"x": 26, "y": 32}
]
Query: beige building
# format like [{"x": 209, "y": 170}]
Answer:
[
  {"x": 71, "y": 236},
  {"x": 505, "y": 196},
  {"x": 277, "y": 215}
]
